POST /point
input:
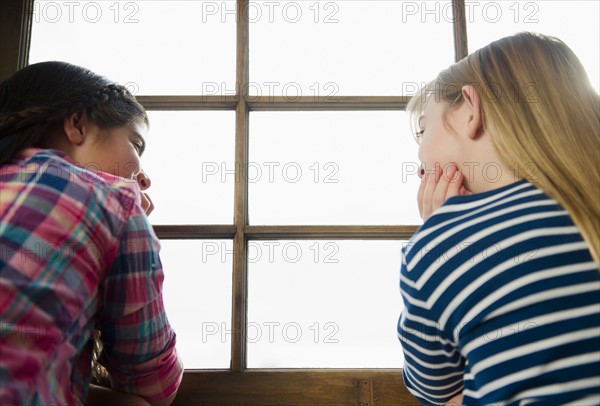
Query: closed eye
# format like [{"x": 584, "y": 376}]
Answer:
[
  {"x": 138, "y": 147},
  {"x": 138, "y": 143},
  {"x": 419, "y": 136}
]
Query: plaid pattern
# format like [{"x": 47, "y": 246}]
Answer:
[{"x": 77, "y": 253}]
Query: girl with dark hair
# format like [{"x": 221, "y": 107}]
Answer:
[{"x": 80, "y": 273}]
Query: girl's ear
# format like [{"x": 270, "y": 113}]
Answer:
[
  {"x": 75, "y": 127},
  {"x": 472, "y": 103}
]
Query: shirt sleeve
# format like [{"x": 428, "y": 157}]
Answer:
[
  {"x": 433, "y": 366},
  {"x": 433, "y": 369},
  {"x": 138, "y": 342}
]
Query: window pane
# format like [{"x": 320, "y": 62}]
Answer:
[
  {"x": 189, "y": 159},
  {"x": 332, "y": 168},
  {"x": 575, "y": 22},
  {"x": 324, "y": 304},
  {"x": 155, "y": 47},
  {"x": 197, "y": 296},
  {"x": 362, "y": 47}
]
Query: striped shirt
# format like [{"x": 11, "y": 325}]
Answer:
[
  {"x": 502, "y": 303},
  {"x": 76, "y": 254}
]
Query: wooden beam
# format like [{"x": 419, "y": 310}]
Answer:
[
  {"x": 182, "y": 232},
  {"x": 325, "y": 103},
  {"x": 330, "y": 232},
  {"x": 228, "y": 232},
  {"x": 310, "y": 387},
  {"x": 268, "y": 103},
  {"x": 225, "y": 102}
]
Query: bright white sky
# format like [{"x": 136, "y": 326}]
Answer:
[{"x": 311, "y": 303}]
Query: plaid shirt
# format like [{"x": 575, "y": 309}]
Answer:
[{"x": 76, "y": 254}]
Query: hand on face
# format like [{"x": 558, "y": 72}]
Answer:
[
  {"x": 147, "y": 204},
  {"x": 438, "y": 185}
]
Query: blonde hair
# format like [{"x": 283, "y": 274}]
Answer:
[{"x": 543, "y": 116}]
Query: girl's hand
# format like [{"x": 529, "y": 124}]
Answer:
[
  {"x": 456, "y": 400},
  {"x": 144, "y": 183},
  {"x": 437, "y": 186},
  {"x": 100, "y": 396},
  {"x": 147, "y": 204}
]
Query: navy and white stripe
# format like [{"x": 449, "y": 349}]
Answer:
[{"x": 502, "y": 303}]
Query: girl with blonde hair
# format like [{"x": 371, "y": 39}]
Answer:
[{"x": 501, "y": 284}]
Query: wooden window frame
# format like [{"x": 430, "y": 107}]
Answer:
[{"x": 239, "y": 385}]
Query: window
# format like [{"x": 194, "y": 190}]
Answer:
[
  {"x": 318, "y": 164},
  {"x": 283, "y": 168}
]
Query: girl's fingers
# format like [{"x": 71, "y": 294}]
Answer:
[
  {"x": 455, "y": 183},
  {"x": 432, "y": 191},
  {"x": 147, "y": 204},
  {"x": 436, "y": 187},
  {"x": 442, "y": 188},
  {"x": 456, "y": 400},
  {"x": 464, "y": 191},
  {"x": 420, "y": 194}
]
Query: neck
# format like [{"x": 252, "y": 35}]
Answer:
[
  {"x": 484, "y": 169},
  {"x": 486, "y": 175}
]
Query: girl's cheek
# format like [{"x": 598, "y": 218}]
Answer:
[
  {"x": 424, "y": 155},
  {"x": 421, "y": 153},
  {"x": 130, "y": 169}
]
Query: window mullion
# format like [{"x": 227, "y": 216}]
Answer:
[
  {"x": 240, "y": 276},
  {"x": 460, "y": 29}
]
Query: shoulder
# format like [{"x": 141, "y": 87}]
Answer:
[
  {"x": 47, "y": 194},
  {"x": 507, "y": 199},
  {"x": 496, "y": 232},
  {"x": 501, "y": 213},
  {"x": 475, "y": 244}
]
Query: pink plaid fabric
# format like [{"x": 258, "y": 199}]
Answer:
[{"x": 76, "y": 254}]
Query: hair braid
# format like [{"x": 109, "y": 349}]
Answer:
[{"x": 99, "y": 375}]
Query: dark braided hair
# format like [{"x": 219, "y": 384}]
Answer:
[{"x": 35, "y": 101}]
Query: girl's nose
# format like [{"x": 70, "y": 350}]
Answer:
[{"x": 143, "y": 180}]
